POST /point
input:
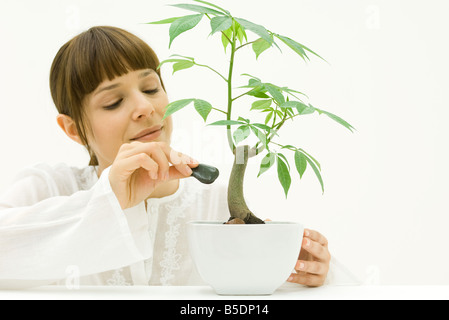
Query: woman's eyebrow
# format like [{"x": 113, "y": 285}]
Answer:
[
  {"x": 146, "y": 73},
  {"x": 113, "y": 86}
]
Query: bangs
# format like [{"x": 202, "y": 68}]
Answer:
[{"x": 106, "y": 53}]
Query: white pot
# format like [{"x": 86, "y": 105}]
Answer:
[{"x": 245, "y": 259}]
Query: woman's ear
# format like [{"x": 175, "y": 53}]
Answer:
[{"x": 69, "y": 127}]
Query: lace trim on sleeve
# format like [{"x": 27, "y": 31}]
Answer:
[{"x": 117, "y": 279}]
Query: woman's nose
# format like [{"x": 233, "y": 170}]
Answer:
[{"x": 143, "y": 107}]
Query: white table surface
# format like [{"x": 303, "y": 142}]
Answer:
[{"x": 285, "y": 292}]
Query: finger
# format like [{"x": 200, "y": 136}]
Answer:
[
  {"x": 159, "y": 157},
  {"x": 153, "y": 150},
  {"x": 176, "y": 157},
  {"x": 306, "y": 279},
  {"x": 313, "y": 267},
  {"x": 126, "y": 167},
  {"x": 317, "y": 250},
  {"x": 175, "y": 174},
  {"x": 163, "y": 154},
  {"x": 316, "y": 236},
  {"x": 183, "y": 163},
  {"x": 129, "y": 149}
]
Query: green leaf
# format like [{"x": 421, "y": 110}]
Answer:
[
  {"x": 315, "y": 166},
  {"x": 280, "y": 155},
  {"x": 241, "y": 33},
  {"x": 221, "y": 23},
  {"x": 301, "y": 107},
  {"x": 181, "y": 56},
  {"x": 203, "y": 108},
  {"x": 258, "y": 92},
  {"x": 275, "y": 92},
  {"x": 310, "y": 157},
  {"x": 260, "y": 135},
  {"x": 253, "y": 77},
  {"x": 290, "y": 105},
  {"x": 261, "y": 104},
  {"x": 337, "y": 119},
  {"x": 260, "y": 46},
  {"x": 269, "y": 116},
  {"x": 168, "y": 61},
  {"x": 226, "y": 123},
  {"x": 297, "y": 47},
  {"x": 183, "y": 24},
  {"x": 304, "y": 109},
  {"x": 176, "y": 106},
  {"x": 196, "y": 8},
  {"x": 165, "y": 21},
  {"x": 241, "y": 133},
  {"x": 290, "y": 91},
  {"x": 213, "y": 5},
  {"x": 243, "y": 119},
  {"x": 284, "y": 175},
  {"x": 186, "y": 64},
  {"x": 225, "y": 36},
  {"x": 314, "y": 53},
  {"x": 279, "y": 113},
  {"x": 256, "y": 28},
  {"x": 289, "y": 147},
  {"x": 317, "y": 172},
  {"x": 267, "y": 162},
  {"x": 301, "y": 163},
  {"x": 180, "y": 64},
  {"x": 261, "y": 126}
]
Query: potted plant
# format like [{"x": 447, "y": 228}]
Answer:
[{"x": 247, "y": 255}]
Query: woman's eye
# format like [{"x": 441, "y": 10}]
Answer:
[
  {"x": 117, "y": 104},
  {"x": 154, "y": 91},
  {"x": 113, "y": 106}
]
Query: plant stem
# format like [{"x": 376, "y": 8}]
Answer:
[
  {"x": 280, "y": 145},
  {"x": 226, "y": 36},
  {"x": 243, "y": 94},
  {"x": 205, "y": 66},
  {"x": 276, "y": 128},
  {"x": 243, "y": 45},
  {"x": 280, "y": 124},
  {"x": 231, "y": 70},
  {"x": 219, "y": 110}
]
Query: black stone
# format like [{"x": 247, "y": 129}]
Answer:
[{"x": 205, "y": 174}]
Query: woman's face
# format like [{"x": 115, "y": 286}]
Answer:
[{"x": 128, "y": 108}]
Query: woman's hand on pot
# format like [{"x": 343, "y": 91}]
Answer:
[
  {"x": 313, "y": 262},
  {"x": 140, "y": 167}
]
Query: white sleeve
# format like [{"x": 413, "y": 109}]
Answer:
[
  {"x": 340, "y": 275},
  {"x": 87, "y": 230}
]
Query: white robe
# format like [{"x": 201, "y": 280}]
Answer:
[{"x": 62, "y": 224}]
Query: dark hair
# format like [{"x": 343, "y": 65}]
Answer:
[{"x": 87, "y": 60}]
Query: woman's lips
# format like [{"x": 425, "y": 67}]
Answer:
[{"x": 149, "y": 135}]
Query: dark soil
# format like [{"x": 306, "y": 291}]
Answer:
[{"x": 250, "y": 219}]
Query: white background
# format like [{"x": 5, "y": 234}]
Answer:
[{"x": 384, "y": 210}]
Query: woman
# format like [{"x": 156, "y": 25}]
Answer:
[{"x": 119, "y": 221}]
